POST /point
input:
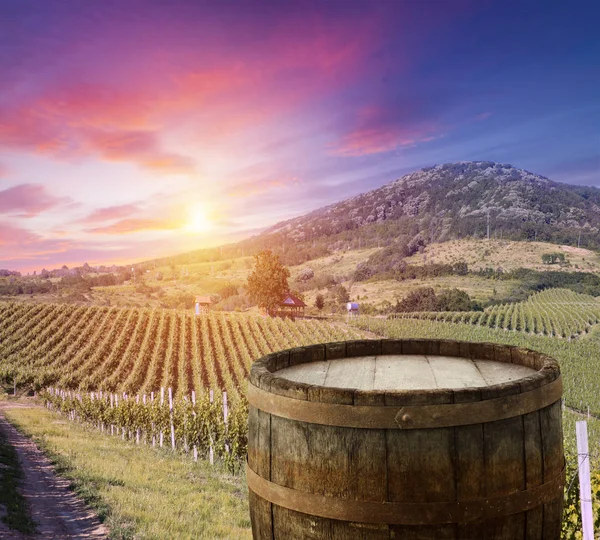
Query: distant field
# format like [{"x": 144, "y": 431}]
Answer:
[
  {"x": 171, "y": 285},
  {"x": 378, "y": 293},
  {"x": 506, "y": 254}
]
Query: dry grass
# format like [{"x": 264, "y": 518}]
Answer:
[
  {"x": 378, "y": 292},
  {"x": 506, "y": 254},
  {"x": 338, "y": 264}
]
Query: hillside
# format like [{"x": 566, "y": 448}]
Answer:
[
  {"x": 508, "y": 255},
  {"x": 455, "y": 199},
  {"x": 433, "y": 204}
]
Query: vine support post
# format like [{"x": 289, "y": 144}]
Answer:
[
  {"x": 171, "y": 418},
  {"x": 585, "y": 487},
  {"x": 153, "y": 424},
  {"x": 225, "y": 417},
  {"x": 162, "y": 402},
  {"x": 137, "y": 429},
  {"x": 145, "y": 434},
  {"x": 112, "y": 405},
  {"x": 211, "y": 451},
  {"x": 194, "y": 413}
]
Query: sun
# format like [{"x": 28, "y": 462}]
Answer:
[{"x": 199, "y": 220}]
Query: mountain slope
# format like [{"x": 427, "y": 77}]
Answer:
[{"x": 455, "y": 200}]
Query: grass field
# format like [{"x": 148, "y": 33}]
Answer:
[
  {"x": 506, "y": 254},
  {"x": 13, "y": 508},
  {"x": 148, "y": 493},
  {"x": 138, "y": 491},
  {"x": 477, "y": 288}
]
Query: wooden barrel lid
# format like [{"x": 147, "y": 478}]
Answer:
[
  {"x": 405, "y": 372},
  {"x": 403, "y": 383}
]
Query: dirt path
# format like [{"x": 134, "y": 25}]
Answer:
[{"x": 57, "y": 512}]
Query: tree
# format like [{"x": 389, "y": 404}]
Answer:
[
  {"x": 268, "y": 282},
  {"x": 320, "y": 302},
  {"x": 553, "y": 258},
  {"x": 341, "y": 294}
]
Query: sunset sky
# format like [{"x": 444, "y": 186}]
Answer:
[{"x": 132, "y": 129}]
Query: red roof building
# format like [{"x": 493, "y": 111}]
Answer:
[
  {"x": 292, "y": 301},
  {"x": 291, "y": 306}
]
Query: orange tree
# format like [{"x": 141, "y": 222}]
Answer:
[{"x": 268, "y": 282}]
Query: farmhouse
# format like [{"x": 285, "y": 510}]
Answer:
[{"x": 203, "y": 304}]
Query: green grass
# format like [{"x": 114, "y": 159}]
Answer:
[
  {"x": 16, "y": 511},
  {"x": 138, "y": 491}
]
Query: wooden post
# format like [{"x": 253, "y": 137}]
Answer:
[
  {"x": 194, "y": 413},
  {"x": 171, "y": 418},
  {"x": 585, "y": 487},
  {"x": 162, "y": 402}
]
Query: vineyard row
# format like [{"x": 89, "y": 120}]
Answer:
[
  {"x": 138, "y": 350},
  {"x": 554, "y": 312}
]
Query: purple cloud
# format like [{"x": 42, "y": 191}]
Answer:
[{"x": 28, "y": 200}]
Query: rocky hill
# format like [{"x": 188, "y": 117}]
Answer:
[{"x": 455, "y": 200}]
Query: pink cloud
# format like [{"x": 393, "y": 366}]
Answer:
[
  {"x": 17, "y": 243},
  {"x": 376, "y": 131},
  {"x": 141, "y": 147},
  {"x": 216, "y": 93},
  {"x": 111, "y": 213},
  {"x": 250, "y": 188},
  {"x": 28, "y": 200},
  {"x": 129, "y": 226},
  {"x": 34, "y": 129},
  {"x": 3, "y": 170}
]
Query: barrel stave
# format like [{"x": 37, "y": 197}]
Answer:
[
  {"x": 553, "y": 463},
  {"x": 534, "y": 471},
  {"x": 355, "y": 467},
  {"x": 259, "y": 460}
]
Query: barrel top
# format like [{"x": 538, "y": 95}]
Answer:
[
  {"x": 398, "y": 372},
  {"x": 405, "y": 372}
]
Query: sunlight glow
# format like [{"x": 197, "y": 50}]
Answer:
[{"x": 199, "y": 220}]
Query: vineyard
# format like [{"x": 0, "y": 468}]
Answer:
[
  {"x": 112, "y": 367},
  {"x": 578, "y": 358},
  {"x": 137, "y": 350},
  {"x": 553, "y": 312}
]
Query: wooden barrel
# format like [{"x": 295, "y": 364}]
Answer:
[{"x": 411, "y": 439}]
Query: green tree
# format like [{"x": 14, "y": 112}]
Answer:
[
  {"x": 268, "y": 282},
  {"x": 341, "y": 294},
  {"x": 553, "y": 258},
  {"x": 320, "y": 302}
]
